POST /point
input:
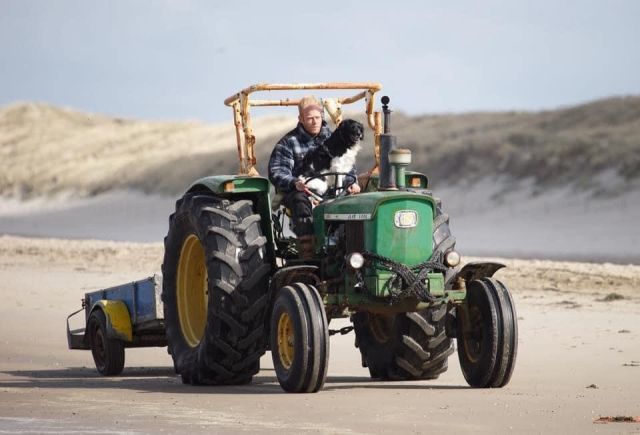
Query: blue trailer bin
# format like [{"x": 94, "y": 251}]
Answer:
[{"x": 128, "y": 315}]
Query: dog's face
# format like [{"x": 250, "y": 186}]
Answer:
[
  {"x": 346, "y": 136},
  {"x": 352, "y": 130}
]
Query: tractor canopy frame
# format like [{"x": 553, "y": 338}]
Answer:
[{"x": 241, "y": 103}]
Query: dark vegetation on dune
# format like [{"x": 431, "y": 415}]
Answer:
[
  {"x": 571, "y": 146},
  {"x": 593, "y": 147}
]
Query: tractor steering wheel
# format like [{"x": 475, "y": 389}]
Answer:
[{"x": 337, "y": 191}]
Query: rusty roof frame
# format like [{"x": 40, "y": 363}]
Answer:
[{"x": 241, "y": 103}]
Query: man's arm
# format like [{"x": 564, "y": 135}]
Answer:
[
  {"x": 281, "y": 166},
  {"x": 355, "y": 187},
  {"x": 353, "y": 172}
]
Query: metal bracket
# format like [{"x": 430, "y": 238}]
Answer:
[
  {"x": 341, "y": 331},
  {"x": 241, "y": 104}
]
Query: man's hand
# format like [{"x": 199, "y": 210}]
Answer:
[
  {"x": 354, "y": 188},
  {"x": 300, "y": 185}
]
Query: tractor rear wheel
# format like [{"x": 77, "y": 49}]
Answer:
[
  {"x": 443, "y": 241},
  {"x": 108, "y": 353},
  {"x": 215, "y": 290},
  {"x": 404, "y": 346},
  {"x": 487, "y": 334},
  {"x": 299, "y": 339}
]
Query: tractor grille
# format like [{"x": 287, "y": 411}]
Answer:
[{"x": 354, "y": 236}]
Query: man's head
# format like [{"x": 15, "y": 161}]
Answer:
[{"x": 310, "y": 114}]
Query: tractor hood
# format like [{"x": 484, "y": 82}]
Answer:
[
  {"x": 394, "y": 224},
  {"x": 364, "y": 206}
]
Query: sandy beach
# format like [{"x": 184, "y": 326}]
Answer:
[{"x": 579, "y": 360}]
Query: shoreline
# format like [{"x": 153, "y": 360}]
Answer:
[
  {"x": 560, "y": 225},
  {"x": 145, "y": 259},
  {"x": 515, "y": 256}
]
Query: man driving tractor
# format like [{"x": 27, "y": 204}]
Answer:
[{"x": 285, "y": 168}]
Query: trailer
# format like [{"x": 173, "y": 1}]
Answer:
[{"x": 115, "y": 318}]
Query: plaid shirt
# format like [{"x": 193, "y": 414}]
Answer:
[{"x": 285, "y": 164}]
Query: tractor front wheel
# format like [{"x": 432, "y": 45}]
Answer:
[
  {"x": 299, "y": 339},
  {"x": 487, "y": 334}
]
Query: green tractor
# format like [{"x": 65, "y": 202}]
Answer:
[{"x": 234, "y": 285}]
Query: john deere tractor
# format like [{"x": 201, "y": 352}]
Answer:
[{"x": 234, "y": 285}]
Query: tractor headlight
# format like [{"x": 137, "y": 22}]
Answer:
[
  {"x": 355, "y": 260},
  {"x": 452, "y": 259}
]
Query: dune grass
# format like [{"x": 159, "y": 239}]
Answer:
[{"x": 46, "y": 150}]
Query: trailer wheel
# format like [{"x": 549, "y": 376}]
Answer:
[
  {"x": 405, "y": 346},
  {"x": 299, "y": 339},
  {"x": 487, "y": 334},
  {"x": 108, "y": 353},
  {"x": 215, "y": 290}
]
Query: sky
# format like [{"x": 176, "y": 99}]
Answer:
[{"x": 171, "y": 59}]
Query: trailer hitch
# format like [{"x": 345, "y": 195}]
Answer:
[{"x": 341, "y": 331}]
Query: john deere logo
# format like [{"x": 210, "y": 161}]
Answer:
[{"x": 405, "y": 219}]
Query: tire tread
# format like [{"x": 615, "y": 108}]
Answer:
[{"x": 233, "y": 341}]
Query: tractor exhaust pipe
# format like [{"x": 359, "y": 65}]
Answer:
[{"x": 388, "y": 142}]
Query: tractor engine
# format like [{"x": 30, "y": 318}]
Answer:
[
  {"x": 391, "y": 242},
  {"x": 380, "y": 244}
]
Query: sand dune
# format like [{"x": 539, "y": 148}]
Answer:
[
  {"x": 561, "y": 184},
  {"x": 46, "y": 150}
]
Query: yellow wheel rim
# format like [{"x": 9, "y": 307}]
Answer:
[
  {"x": 472, "y": 341},
  {"x": 192, "y": 293},
  {"x": 381, "y": 327},
  {"x": 285, "y": 340}
]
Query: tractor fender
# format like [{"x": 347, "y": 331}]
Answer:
[
  {"x": 118, "y": 319},
  {"x": 476, "y": 269},
  {"x": 229, "y": 185},
  {"x": 285, "y": 276},
  {"x": 288, "y": 275},
  {"x": 235, "y": 187}
]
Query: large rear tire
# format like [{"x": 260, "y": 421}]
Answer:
[
  {"x": 299, "y": 339},
  {"x": 215, "y": 290},
  {"x": 443, "y": 241},
  {"x": 405, "y": 346},
  {"x": 487, "y": 334}
]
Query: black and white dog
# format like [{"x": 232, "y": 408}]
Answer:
[{"x": 336, "y": 154}]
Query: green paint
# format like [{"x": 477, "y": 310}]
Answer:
[
  {"x": 363, "y": 301},
  {"x": 409, "y": 246},
  {"x": 368, "y": 202},
  {"x": 241, "y": 184},
  {"x": 379, "y": 283},
  {"x": 384, "y": 235}
]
